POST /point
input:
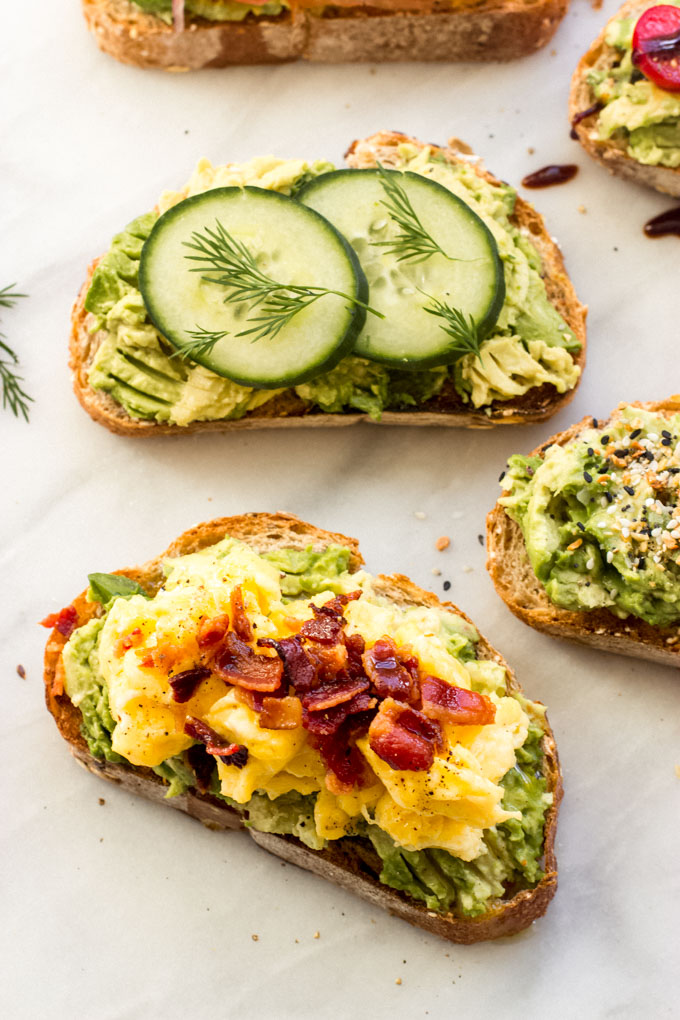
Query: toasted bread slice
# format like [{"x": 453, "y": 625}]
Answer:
[
  {"x": 612, "y": 153},
  {"x": 463, "y": 30},
  {"x": 520, "y": 589},
  {"x": 288, "y": 411},
  {"x": 349, "y": 864}
]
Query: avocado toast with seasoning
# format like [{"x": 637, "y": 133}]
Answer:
[
  {"x": 444, "y": 300},
  {"x": 255, "y": 676},
  {"x": 585, "y": 541}
]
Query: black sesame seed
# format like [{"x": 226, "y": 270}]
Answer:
[
  {"x": 605, "y": 440},
  {"x": 590, "y": 451},
  {"x": 623, "y": 452},
  {"x": 446, "y": 585},
  {"x": 608, "y": 496},
  {"x": 666, "y": 442},
  {"x": 501, "y": 476},
  {"x": 635, "y": 433},
  {"x": 587, "y": 476},
  {"x": 629, "y": 489},
  {"x": 666, "y": 434},
  {"x": 647, "y": 455},
  {"x": 581, "y": 527},
  {"x": 480, "y": 539},
  {"x": 642, "y": 563},
  {"x": 595, "y": 423}
]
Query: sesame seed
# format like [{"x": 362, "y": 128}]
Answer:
[
  {"x": 635, "y": 433},
  {"x": 665, "y": 433},
  {"x": 587, "y": 476},
  {"x": 605, "y": 441},
  {"x": 595, "y": 423},
  {"x": 610, "y": 556},
  {"x": 629, "y": 489},
  {"x": 581, "y": 527},
  {"x": 446, "y": 585},
  {"x": 590, "y": 451},
  {"x": 590, "y": 564},
  {"x": 420, "y": 514},
  {"x": 436, "y": 571},
  {"x": 501, "y": 476},
  {"x": 608, "y": 496}
]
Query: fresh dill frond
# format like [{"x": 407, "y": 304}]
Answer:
[
  {"x": 413, "y": 243},
  {"x": 14, "y": 396},
  {"x": 224, "y": 260},
  {"x": 202, "y": 342},
  {"x": 464, "y": 331}
]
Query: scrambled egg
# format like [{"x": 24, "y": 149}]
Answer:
[{"x": 143, "y": 640}]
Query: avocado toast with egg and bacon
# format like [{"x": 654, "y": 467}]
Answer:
[
  {"x": 255, "y": 676},
  {"x": 584, "y": 544},
  {"x": 487, "y": 327}
]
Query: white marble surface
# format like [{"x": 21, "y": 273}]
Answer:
[{"x": 125, "y": 910}]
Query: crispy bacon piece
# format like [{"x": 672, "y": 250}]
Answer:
[
  {"x": 345, "y": 764},
  {"x": 404, "y": 737},
  {"x": 329, "y": 695},
  {"x": 355, "y": 645},
  {"x": 238, "y": 664},
  {"x": 239, "y": 620},
  {"x": 329, "y": 720},
  {"x": 455, "y": 704},
  {"x": 128, "y": 641},
  {"x": 185, "y": 684},
  {"x": 230, "y": 754},
  {"x": 329, "y": 620},
  {"x": 212, "y": 630},
  {"x": 280, "y": 713},
  {"x": 298, "y": 671},
  {"x": 203, "y": 765},
  {"x": 393, "y": 671},
  {"x": 328, "y": 660},
  {"x": 64, "y": 621}
]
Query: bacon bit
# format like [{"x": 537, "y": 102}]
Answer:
[
  {"x": 575, "y": 545},
  {"x": 328, "y": 721},
  {"x": 185, "y": 684},
  {"x": 298, "y": 671},
  {"x": 239, "y": 620},
  {"x": 455, "y": 704},
  {"x": 212, "y": 630},
  {"x": 238, "y": 664},
  {"x": 230, "y": 754},
  {"x": 280, "y": 714},
  {"x": 404, "y": 737},
  {"x": 346, "y": 766},
  {"x": 355, "y": 645},
  {"x": 131, "y": 640},
  {"x": 146, "y": 662},
  {"x": 442, "y": 543},
  {"x": 167, "y": 656},
  {"x": 202, "y": 764},
  {"x": 329, "y": 619},
  {"x": 331, "y": 694},
  {"x": 392, "y": 671},
  {"x": 64, "y": 621},
  {"x": 328, "y": 660}
]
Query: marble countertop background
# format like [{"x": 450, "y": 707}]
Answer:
[{"x": 122, "y": 910}]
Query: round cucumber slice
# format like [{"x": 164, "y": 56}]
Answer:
[
  {"x": 242, "y": 236},
  {"x": 467, "y": 278}
]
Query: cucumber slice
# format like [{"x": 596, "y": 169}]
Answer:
[
  {"x": 291, "y": 245},
  {"x": 409, "y": 337}
]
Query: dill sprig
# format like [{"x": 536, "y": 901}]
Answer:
[
  {"x": 464, "y": 331},
  {"x": 202, "y": 342},
  {"x": 13, "y": 395},
  {"x": 226, "y": 261},
  {"x": 413, "y": 243}
]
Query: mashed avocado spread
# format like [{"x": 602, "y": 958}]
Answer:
[
  {"x": 508, "y": 856},
  {"x": 601, "y": 516},
  {"x": 635, "y": 109},
  {"x": 211, "y": 10},
  {"x": 529, "y": 346}
]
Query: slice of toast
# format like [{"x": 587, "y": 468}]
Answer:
[
  {"x": 520, "y": 589},
  {"x": 612, "y": 153},
  {"x": 434, "y": 30},
  {"x": 350, "y": 864},
  {"x": 288, "y": 411}
]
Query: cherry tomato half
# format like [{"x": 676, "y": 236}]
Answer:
[{"x": 656, "y": 46}]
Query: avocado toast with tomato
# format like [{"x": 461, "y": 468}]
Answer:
[
  {"x": 255, "y": 676},
  {"x": 413, "y": 288}
]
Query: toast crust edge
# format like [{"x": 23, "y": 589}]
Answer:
[{"x": 266, "y": 531}]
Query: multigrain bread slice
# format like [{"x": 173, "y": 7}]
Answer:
[
  {"x": 611, "y": 153},
  {"x": 288, "y": 411},
  {"x": 422, "y": 30},
  {"x": 520, "y": 589},
  {"x": 354, "y": 865}
]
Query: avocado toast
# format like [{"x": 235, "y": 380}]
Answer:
[
  {"x": 218, "y": 33},
  {"x": 583, "y": 543},
  {"x": 389, "y": 787},
  {"x": 624, "y": 120},
  {"x": 527, "y": 366}
]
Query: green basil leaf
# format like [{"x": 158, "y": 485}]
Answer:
[{"x": 106, "y": 587}]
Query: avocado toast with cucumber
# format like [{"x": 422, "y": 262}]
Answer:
[
  {"x": 254, "y": 676},
  {"x": 412, "y": 288},
  {"x": 583, "y": 544}
]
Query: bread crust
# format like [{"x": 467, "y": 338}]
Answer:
[
  {"x": 338, "y": 864},
  {"x": 522, "y": 592},
  {"x": 495, "y": 30},
  {"x": 612, "y": 153},
  {"x": 287, "y": 411}
]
